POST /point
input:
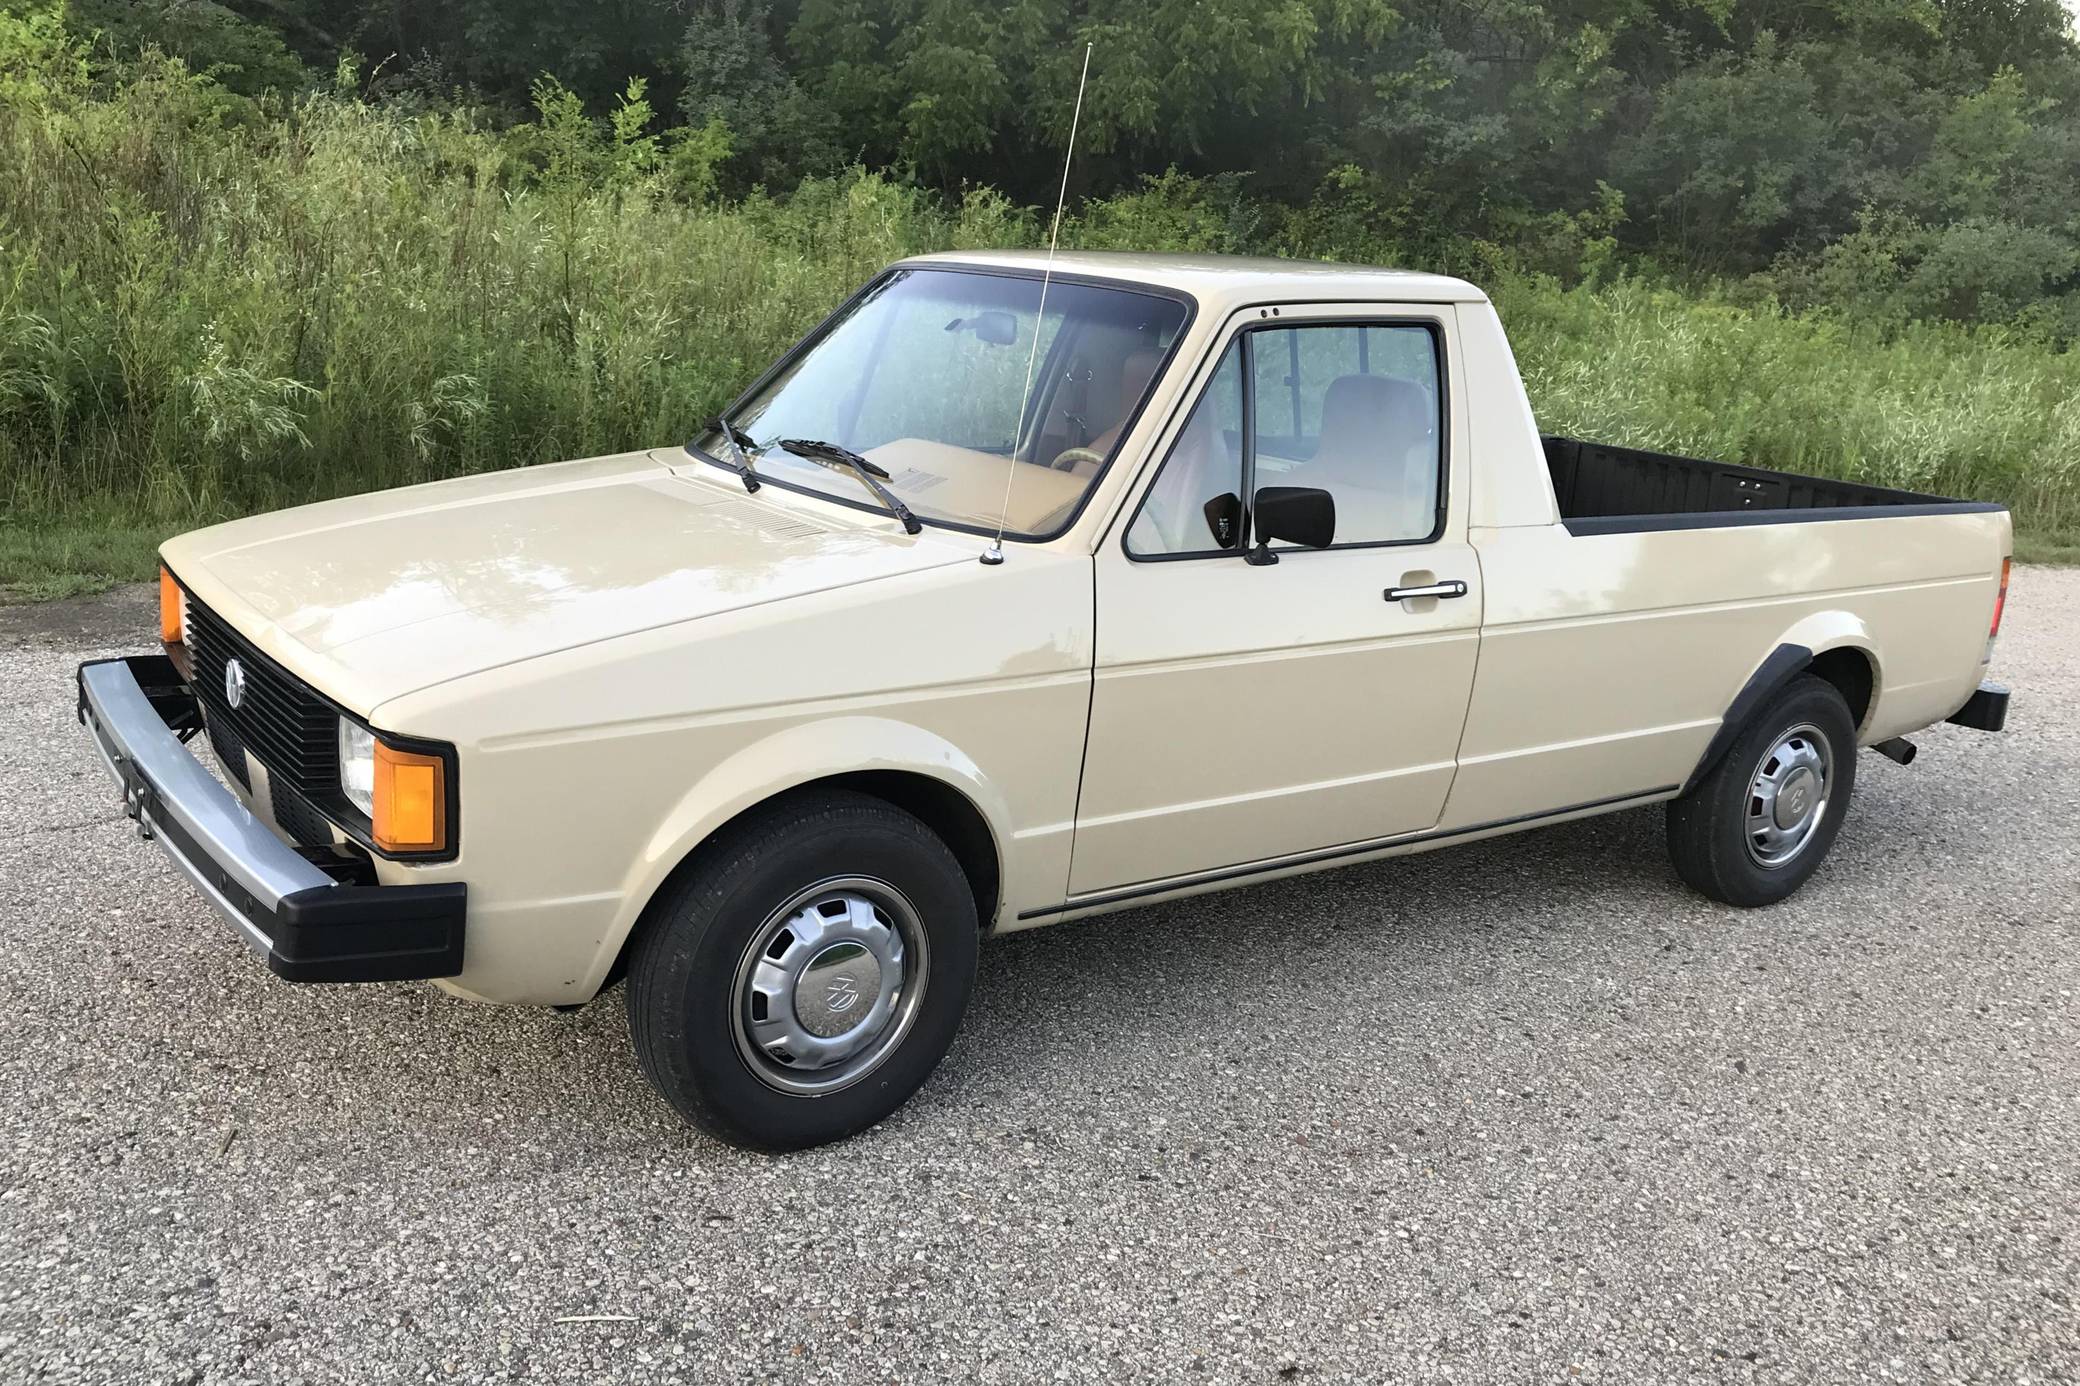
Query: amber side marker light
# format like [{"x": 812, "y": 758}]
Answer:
[
  {"x": 169, "y": 608},
  {"x": 410, "y": 801},
  {"x": 2000, "y": 601}
]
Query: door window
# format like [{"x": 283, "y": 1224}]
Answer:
[{"x": 1352, "y": 409}]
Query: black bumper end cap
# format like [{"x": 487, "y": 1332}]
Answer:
[
  {"x": 1986, "y": 710},
  {"x": 370, "y": 933}
]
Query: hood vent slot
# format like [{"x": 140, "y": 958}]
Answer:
[{"x": 765, "y": 518}]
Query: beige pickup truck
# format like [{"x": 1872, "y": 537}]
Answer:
[{"x": 1014, "y": 593}]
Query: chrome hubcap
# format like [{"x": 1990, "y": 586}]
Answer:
[
  {"x": 829, "y": 985},
  {"x": 1787, "y": 800}
]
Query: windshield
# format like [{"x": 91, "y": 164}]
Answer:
[{"x": 922, "y": 375}]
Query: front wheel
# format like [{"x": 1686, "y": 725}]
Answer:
[
  {"x": 806, "y": 973},
  {"x": 1762, "y": 820}
]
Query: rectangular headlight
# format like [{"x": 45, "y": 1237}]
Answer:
[
  {"x": 404, "y": 793},
  {"x": 357, "y": 765}
]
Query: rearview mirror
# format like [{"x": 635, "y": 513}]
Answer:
[
  {"x": 993, "y": 326},
  {"x": 1304, "y": 515}
]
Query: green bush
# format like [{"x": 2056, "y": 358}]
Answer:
[{"x": 210, "y": 307}]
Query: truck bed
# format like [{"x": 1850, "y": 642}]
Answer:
[{"x": 1611, "y": 490}]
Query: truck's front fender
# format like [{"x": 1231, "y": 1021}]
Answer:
[{"x": 789, "y": 759}]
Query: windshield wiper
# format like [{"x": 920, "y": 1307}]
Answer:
[
  {"x": 740, "y": 446},
  {"x": 831, "y": 455}
]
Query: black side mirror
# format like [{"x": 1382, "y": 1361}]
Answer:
[
  {"x": 1224, "y": 517},
  {"x": 1304, "y": 515}
]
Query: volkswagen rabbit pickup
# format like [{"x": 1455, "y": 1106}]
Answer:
[{"x": 1018, "y": 591}]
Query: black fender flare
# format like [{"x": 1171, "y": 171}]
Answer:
[{"x": 1783, "y": 664}]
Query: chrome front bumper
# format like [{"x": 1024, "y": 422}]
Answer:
[{"x": 307, "y": 924}]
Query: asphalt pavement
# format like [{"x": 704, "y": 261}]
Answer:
[{"x": 1520, "y": 1111}]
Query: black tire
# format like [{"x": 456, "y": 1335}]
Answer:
[
  {"x": 693, "y": 950},
  {"x": 1708, "y": 828}
]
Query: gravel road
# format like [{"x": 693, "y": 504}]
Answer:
[{"x": 1519, "y": 1111}]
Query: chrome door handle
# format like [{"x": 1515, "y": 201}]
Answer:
[{"x": 1454, "y": 588}]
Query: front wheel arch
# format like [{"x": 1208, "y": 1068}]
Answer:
[
  {"x": 951, "y": 815},
  {"x": 745, "y": 982}
]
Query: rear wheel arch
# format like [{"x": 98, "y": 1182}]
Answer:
[
  {"x": 1849, "y": 667},
  {"x": 1761, "y": 821},
  {"x": 1853, "y": 671}
]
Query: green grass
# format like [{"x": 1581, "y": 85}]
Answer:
[
  {"x": 76, "y": 557},
  {"x": 201, "y": 319},
  {"x": 2063, "y": 548}
]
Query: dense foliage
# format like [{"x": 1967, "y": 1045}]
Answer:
[
  {"x": 1898, "y": 158},
  {"x": 242, "y": 264}
]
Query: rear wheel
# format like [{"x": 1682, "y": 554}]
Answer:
[
  {"x": 806, "y": 973},
  {"x": 1762, "y": 820}
]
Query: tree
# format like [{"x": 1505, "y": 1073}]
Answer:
[
  {"x": 242, "y": 55},
  {"x": 732, "y": 74}
]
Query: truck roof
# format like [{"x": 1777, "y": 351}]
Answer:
[{"x": 1225, "y": 282}]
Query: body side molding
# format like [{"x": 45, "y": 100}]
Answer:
[{"x": 1330, "y": 854}]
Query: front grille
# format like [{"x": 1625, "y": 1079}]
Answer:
[
  {"x": 231, "y": 752},
  {"x": 279, "y": 722},
  {"x": 296, "y": 816}
]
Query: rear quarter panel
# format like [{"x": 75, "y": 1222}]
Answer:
[{"x": 1608, "y": 661}]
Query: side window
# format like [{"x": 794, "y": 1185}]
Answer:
[
  {"x": 1355, "y": 412},
  {"x": 1194, "y": 495}
]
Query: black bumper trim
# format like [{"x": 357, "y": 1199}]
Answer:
[
  {"x": 309, "y": 928},
  {"x": 1986, "y": 710},
  {"x": 370, "y": 933}
]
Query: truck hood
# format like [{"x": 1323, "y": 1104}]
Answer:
[{"x": 376, "y": 596}]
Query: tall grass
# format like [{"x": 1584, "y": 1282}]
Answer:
[
  {"x": 207, "y": 310},
  {"x": 1934, "y": 407},
  {"x": 197, "y": 320}
]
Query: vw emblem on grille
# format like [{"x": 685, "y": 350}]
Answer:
[
  {"x": 234, "y": 683},
  {"x": 842, "y": 996}
]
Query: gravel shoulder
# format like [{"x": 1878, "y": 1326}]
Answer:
[{"x": 1521, "y": 1110}]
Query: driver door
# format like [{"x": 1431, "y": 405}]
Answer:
[{"x": 1253, "y": 706}]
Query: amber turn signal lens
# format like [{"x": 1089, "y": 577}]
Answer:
[
  {"x": 169, "y": 608},
  {"x": 2000, "y": 601},
  {"x": 411, "y": 801}
]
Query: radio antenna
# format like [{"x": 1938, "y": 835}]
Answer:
[{"x": 994, "y": 554}]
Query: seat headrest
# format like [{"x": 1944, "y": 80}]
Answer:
[
  {"x": 1136, "y": 369},
  {"x": 1356, "y": 408}
]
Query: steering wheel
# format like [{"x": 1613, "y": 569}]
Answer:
[{"x": 1069, "y": 459}]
